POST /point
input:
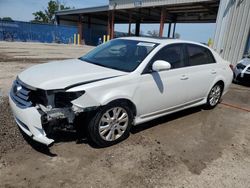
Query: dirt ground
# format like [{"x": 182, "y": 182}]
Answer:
[{"x": 192, "y": 148}]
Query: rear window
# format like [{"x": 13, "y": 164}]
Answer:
[{"x": 199, "y": 55}]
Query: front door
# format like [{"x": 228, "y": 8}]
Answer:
[{"x": 159, "y": 91}]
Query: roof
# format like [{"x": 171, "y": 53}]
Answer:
[
  {"x": 161, "y": 40},
  {"x": 148, "y": 39},
  {"x": 189, "y": 11},
  {"x": 128, "y": 4},
  {"x": 83, "y": 10}
]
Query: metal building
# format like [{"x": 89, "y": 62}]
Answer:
[
  {"x": 232, "y": 34},
  {"x": 232, "y": 18}
]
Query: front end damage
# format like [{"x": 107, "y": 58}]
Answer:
[{"x": 39, "y": 113}]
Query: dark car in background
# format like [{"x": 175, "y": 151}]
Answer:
[{"x": 242, "y": 71}]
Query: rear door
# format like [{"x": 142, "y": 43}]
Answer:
[{"x": 202, "y": 70}]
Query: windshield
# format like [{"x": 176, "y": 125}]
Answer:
[{"x": 120, "y": 54}]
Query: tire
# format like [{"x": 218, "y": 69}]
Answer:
[
  {"x": 214, "y": 96},
  {"x": 111, "y": 124},
  {"x": 235, "y": 80}
]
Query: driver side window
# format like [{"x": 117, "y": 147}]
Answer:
[
  {"x": 116, "y": 51},
  {"x": 172, "y": 54}
]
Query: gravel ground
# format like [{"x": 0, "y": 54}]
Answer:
[
  {"x": 10, "y": 136},
  {"x": 193, "y": 148}
]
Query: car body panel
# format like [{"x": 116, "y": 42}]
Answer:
[
  {"x": 29, "y": 120},
  {"x": 162, "y": 86},
  {"x": 62, "y": 74}
]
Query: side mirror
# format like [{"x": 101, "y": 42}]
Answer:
[{"x": 161, "y": 65}]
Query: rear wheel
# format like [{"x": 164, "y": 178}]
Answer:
[
  {"x": 111, "y": 124},
  {"x": 214, "y": 96}
]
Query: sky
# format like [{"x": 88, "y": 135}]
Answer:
[{"x": 22, "y": 10}]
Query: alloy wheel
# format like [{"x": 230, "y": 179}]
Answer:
[
  {"x": 214, "y": 95},
  {"x": 113, "y": 124}
]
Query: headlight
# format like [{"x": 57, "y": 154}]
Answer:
[{"x": 63, "y": 99}]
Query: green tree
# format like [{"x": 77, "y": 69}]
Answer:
[
  {"x": 177, "y": 36},
  {"x": 153, "y": 33},
  {"x": 7, "y": 19},
  {"x": 48, "y": 15}
]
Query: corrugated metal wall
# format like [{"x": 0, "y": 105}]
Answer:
[
  {"x": 27, "y": 31},
  {"x": 232, "y": 29},
  {"x": 91, "y": 32},
  {"x": 123, "y": 4}
]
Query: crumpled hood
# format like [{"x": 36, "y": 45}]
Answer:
[{"x": 62, "y": 74}]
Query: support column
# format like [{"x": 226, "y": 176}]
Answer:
[
  {"x": 108, "y": 26},
  {"x": 57, "y": 20},
  {"x": 174, "y": 30},
  {"x": 89, "y": 21},
  {"x": 137, "y": 28},
  {"x": 169, "y": 29},
  {"x": 129, "y": 24},
  {"x": 162, "y": 21},
  {"x": 112, "y": 24},
  {"x": 80, "y": 28}
]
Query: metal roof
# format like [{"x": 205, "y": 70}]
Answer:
[
  {"x": 125, "y": 4},
  {"x": 83, "y": 10},
  {"x": 196, "y": 11}
]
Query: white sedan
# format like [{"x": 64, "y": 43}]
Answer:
[{"x": 119, "y": 84}]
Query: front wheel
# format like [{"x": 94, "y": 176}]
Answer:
[
  {"x": 111, "y": 124},
  {"x": 214, "y": 96}
]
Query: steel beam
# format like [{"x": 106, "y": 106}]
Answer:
[
  {"x": 162, "y": 21},
  {"x": 137, "y": 28},
  {"x": 112, "y": 24},
  {"x": 80, "y": 27}
]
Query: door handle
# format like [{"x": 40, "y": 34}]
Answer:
[
  {"x": 213, "y": 71},
  {"x": 184, "y": 77}
]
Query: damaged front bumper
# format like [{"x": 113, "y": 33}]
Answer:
[
  {"x": 29, "y": 120},
  {"x": 39, "y": 113}
]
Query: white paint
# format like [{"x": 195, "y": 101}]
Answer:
[{"x": 154, "y": 94}]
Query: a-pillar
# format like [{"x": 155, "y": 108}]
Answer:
[{"x": 162, "y": 21}]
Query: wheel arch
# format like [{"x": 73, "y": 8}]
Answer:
[
  {"x": 126, "y": 101},
  {"x": 221, "y": 82}
]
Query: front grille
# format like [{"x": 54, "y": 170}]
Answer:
[
  {"x": 240, "y": 66},
  {"x": 21, "y": 94}
]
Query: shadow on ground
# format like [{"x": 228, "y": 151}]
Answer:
[{"x": 66, "y": 136}]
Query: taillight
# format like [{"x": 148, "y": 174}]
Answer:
[{"x": 231, "y": 67}]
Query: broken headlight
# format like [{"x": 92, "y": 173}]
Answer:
[{"x": 63, "y": 99}]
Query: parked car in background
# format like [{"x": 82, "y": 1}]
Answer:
[
  {"x": 242, "y": 71},
  {"x": 119, "y": 84}
]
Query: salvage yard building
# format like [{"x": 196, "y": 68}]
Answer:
[{"x": 232, "y": 17}]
